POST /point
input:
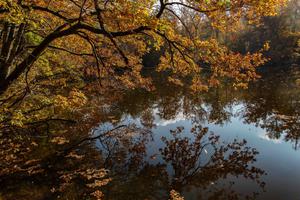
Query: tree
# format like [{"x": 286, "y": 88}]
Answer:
[
  {"x": 89, "y": 23},
  {"x": 48, "y": 44}
]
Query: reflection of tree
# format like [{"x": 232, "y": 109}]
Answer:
[
  {"x": 273, "y": 104},
  {"x": 277, "y": 125},
  {"x": 125, "y": 155},
  {"x": 170, "y": 100},
  {"x": 218, "y": 101},
  {"x": 124, "y": 148},
  {"x": 147, "y": 118},
  {"x": 197, "y": 161},
  {"x": 49, "y": 171},
  {"x": 182, "y": 155},
  {"x": 202, "y": 160}
]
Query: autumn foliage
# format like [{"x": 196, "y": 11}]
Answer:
[
  {"x": 53, "y": 51},
  {"x": 47, "y": 45}
]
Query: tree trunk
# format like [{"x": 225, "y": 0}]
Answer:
[{"x": 8, "y": 79}]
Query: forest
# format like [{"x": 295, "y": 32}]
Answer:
[{"x": 149, "y": 99}]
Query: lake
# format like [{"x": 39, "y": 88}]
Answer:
[{"x": 222, "y": 144}]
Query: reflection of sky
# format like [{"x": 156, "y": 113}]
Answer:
[
  {"x": 276, "y": 156},
  {"x": 181, "y": 120},
  {"x": 163, "y": 122},
  {"x": 264, "y": 136}
]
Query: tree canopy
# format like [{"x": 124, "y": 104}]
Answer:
[{"x": 47, "y": 45}]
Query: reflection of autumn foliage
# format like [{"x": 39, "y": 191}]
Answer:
[
  {"x": 51, "y": 170},
  {"x": 203, "y": 159},
  {"x": 182, "y": 154},
  {"x": 95, "y": 179},
  {"x": 13, "y": 156},
  {"x": 124, "y": 148},
  {"x": 275, "y": 107},
  {"x": 197, "y": 161},
  {"x": 280, "y": 124}
]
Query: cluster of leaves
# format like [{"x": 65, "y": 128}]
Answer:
[{"x": 175, "y": 195}]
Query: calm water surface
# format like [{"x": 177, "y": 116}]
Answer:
[{"x": 225, "y": 144}]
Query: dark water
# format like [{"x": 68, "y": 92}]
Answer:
[{"x": 225, "y": 144}]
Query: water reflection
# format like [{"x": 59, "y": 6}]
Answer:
[
  {"x": 271, "y": 103},
  {"x": 214, "y": 145},
  {"x": 186, "y": 160},
  {"x": 274, "y": 105}
]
